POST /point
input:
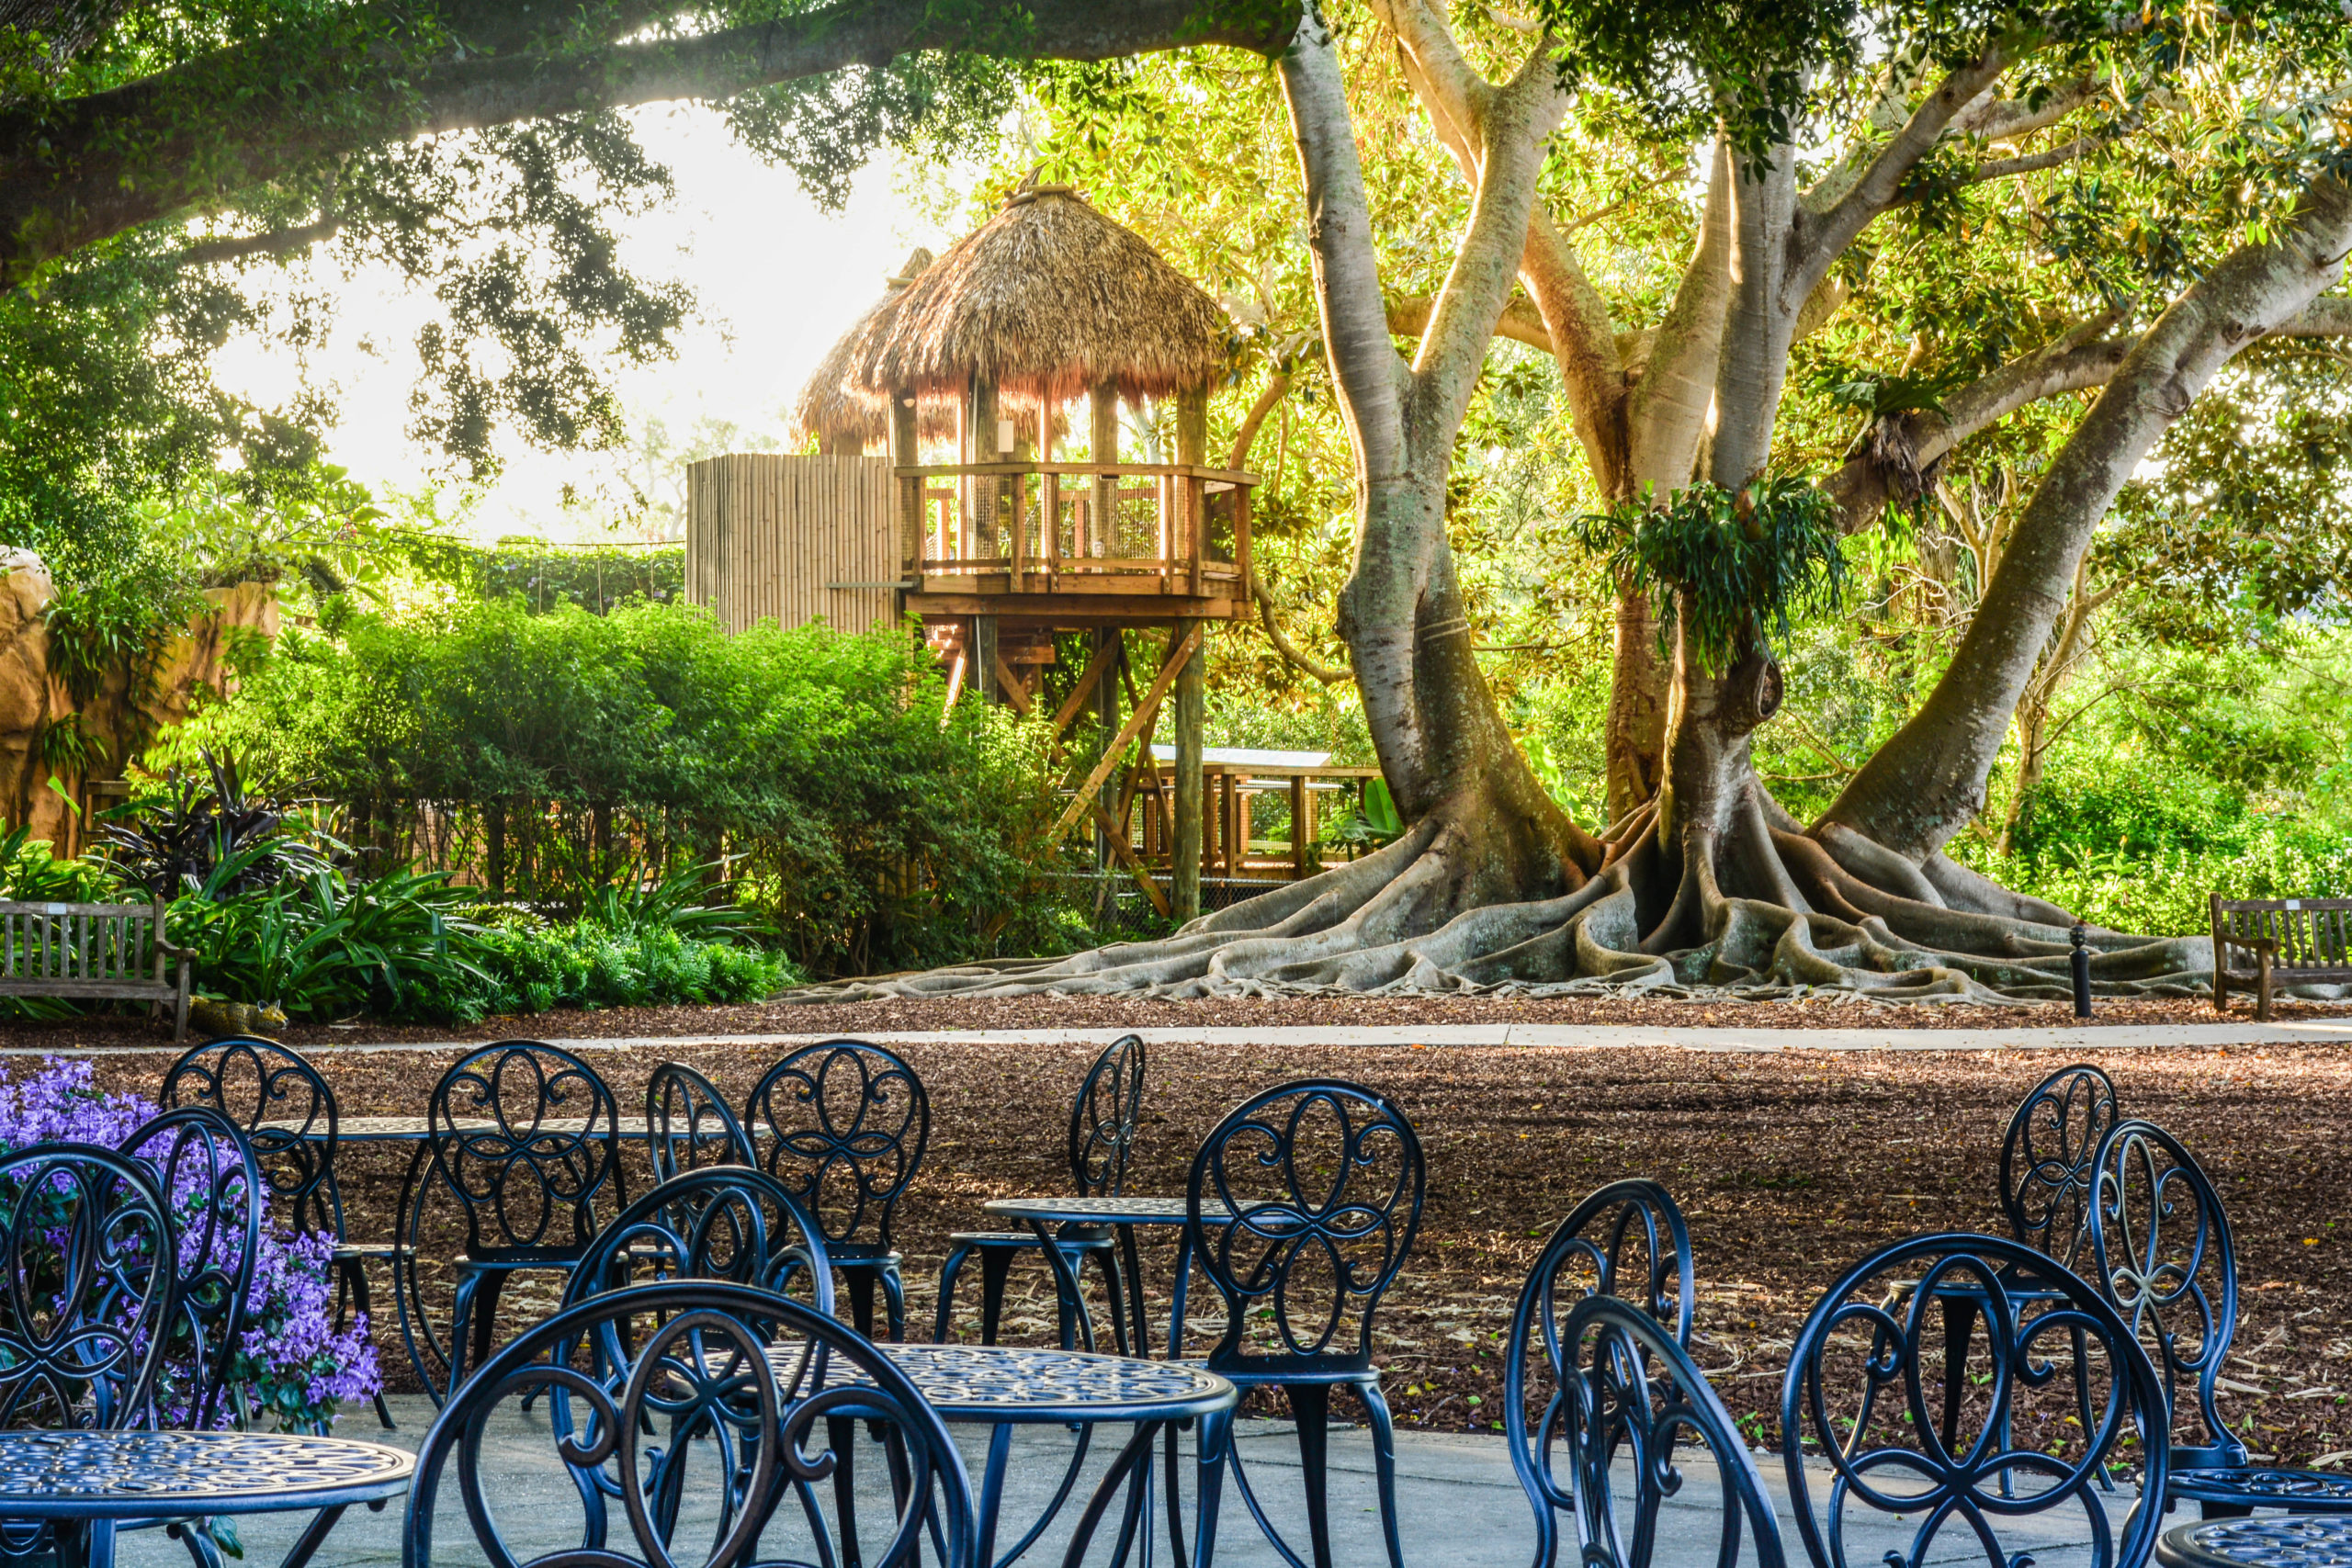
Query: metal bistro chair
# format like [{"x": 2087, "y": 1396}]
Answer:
[
  {"x": 1325, "y": 1181},
  {"x": 208, "y": 1175},
  {"x": 90, "y": 1354},
  {"x": 1102, "y": 1133},
  {"x": 688, "y": 1124},
  {"x": 2161, "y": 1249},
  {"x": 525, "y": 1137},
  {"x": 1626, "y": 1241},
  {"x": 1637, "y": 1422},
  {"x": 639, "y": 1376},
  {"x": 288, "y": 1114},
  {"x": 1864, "y": 1374},
  {"x": 2047, "y": 1157},
  {"x": 722, "y": 1222},
  {"x": 845, "y": 1125}
]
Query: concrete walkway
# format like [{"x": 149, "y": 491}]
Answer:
[
  {"x": 1460, "y": 1506},
  {"x": 1584, "y": 1036}
]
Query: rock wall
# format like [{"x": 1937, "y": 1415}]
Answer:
[{"x": 32, "y": 698}]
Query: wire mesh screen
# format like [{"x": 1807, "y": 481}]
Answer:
[{"x": 1113, "y": 909}]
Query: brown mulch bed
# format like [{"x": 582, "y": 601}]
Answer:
[
  {"x": 1789, "y": 1165},
  {"x": 1112, "y": 1012}
]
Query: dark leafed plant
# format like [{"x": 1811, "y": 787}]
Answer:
[
  {"x": 1724, "y": 565},
  {"x": 198, "y": 827}
]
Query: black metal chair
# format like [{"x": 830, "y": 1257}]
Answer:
[
  {"x": 289, "y": 1116},
  {"x": 846, "y": 1123},
  {"x": 1637, "y": 1424},
  {"x": 2161, "y": 1249},
  {"x": 689, "y": 1125},
  {"x": 208, "y": 1175},
  {"x": 1102, "y": 1134},
  {"x": 2046, "y": 1159},
  {"x": 524, "y": 1138},
  {"x": 1325, "y": 1181},
  {"x": 1626, "y": 1241},
  {"x": 722, "y": 1222},
  {"x": 700, "y": 1383},
  {"x": 1866, "y": 1370},
  {"x": 90, "y": 1352}
]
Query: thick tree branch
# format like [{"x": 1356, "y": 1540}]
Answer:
[
  {"x": 77, "y": 171},
  {"x": 2006, "y": 119},
  {"x": 1521, "y": 321},
  {"x": 1929, "y": 779},
  {"x": 1901, "y": 454},
  {"x": 1371, "y": 377},
  {"x": 1514, "y": 128},
  {"x": 1822, "y": 236}
]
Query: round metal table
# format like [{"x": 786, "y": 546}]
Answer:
[
  {"x": 1003, "y": 1386},
  {"x": 98, "y": 1478},
  {"x": 2271, "y": 1541},
  {"x": 1040, "y": 1215}
]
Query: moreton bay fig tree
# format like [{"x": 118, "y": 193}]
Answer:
[{"x": 1811, "y": 133}]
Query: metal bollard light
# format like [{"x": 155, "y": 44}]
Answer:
[{"x": 2081, "y": 960}]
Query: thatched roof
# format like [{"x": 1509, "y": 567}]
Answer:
[
  {"x": 829, "y": 409},
  {"x": 1046, "y": 298}
]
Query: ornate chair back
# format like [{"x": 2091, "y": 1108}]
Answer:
[
  {"x": 1626, "y": 1241},
  {"x": 2046, "y": 1159},
  {"x": 285, "y": 1109},
  {"x": 2055, "y": 1385},
  {"x": 2160, "y": 1248},
  {"x": 1103, "y": 1119},
  {"x": 214, "y": 1186},
  {"x": 689, "y": 1123},
  {"x": 1324, "y": 1181},
  {"x": 86, "y": 1310},
  {"x": 846, "y": 1123},
  {"x": 1638, "y": 1422},
  {"x": 723, "y": 1222},
  {"x": 636, "y": 1376},
  {"x": 525, "y": 1136}
]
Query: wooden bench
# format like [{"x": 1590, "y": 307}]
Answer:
[
  {"x": 2289, "y": 940},
  {"x": 111, "y": 952}
]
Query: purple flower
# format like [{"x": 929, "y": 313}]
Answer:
[{"x": 290, "y": 1367}]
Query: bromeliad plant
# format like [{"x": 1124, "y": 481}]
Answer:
[
  {"x": 219, "y": 834},
  {"x": 291, "y": 1367}
]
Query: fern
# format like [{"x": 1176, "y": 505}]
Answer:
[{"x": 1734, "y": 563}]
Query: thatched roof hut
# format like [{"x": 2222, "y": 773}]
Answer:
[
  {"x": 1046, "y": 300},
  {"x": 836, "y": 414}
]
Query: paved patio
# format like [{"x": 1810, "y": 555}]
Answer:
[{"x": 1460, "y": 1506}]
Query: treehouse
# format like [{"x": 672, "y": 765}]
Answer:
[{"x": 945, "y": 489}]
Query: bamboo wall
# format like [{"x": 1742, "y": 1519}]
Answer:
[{"x": 766, "y": 535}]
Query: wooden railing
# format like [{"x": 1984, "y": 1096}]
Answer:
[{"x": 1062, "y": 526}]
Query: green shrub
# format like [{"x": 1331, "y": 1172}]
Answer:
[{"x": 561, "y": 752}]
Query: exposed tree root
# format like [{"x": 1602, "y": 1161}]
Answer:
[{"x": 1774, "y": 910}]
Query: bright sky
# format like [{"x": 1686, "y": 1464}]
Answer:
[{"x": 777, "y": 281}]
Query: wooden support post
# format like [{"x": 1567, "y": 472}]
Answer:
[
  {"x": 1079, "y": 694},
  {"x": 1302, "y": 829},
  {"x": 980, "y": 641},
  {"x": 1116, "y": 838},
  {"x": 905, "y": 453},
  {"x": 1179, "y": 658},
  {"x": 1015, "y": 689},
  {"x": 1192, "y": 705},
  {"x": 1049, "y": 527},
  {"x": 1110, "y": 648},
  {"x": 1103, "y": 447},
  {"x": 1235, "y": 828},
  {"x": 1193, "y": 448}
]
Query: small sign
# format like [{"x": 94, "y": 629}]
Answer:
[
  {"x": 1004, "y": 436},
  {"x": 52, "y": 908}
]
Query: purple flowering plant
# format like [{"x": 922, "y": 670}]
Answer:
[{"x": 290, "y": 1367}]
